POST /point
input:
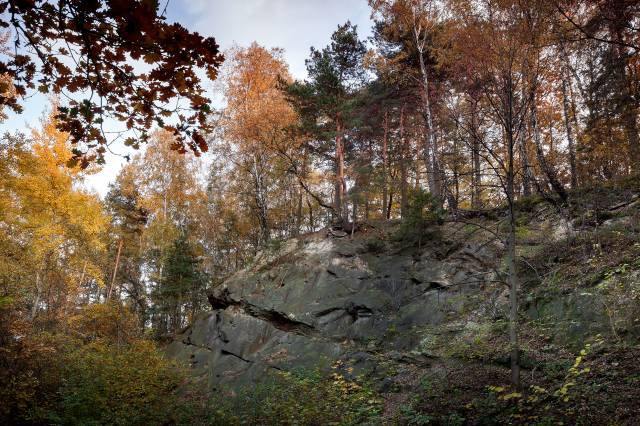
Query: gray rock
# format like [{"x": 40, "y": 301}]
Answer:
[{"x": 319, "y": 299}]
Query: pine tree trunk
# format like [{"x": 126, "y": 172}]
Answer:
[
  {"x": 511, "y": 239},
  {"x": 404, "y": 197},
  {"x": 385, "y": 167},
  {"x": 456, "y": 170},
  {"x": 513, "y": 287},
  {"x": 629, "y": 104},
  {"x": 366, "y": 207},
  {"x": 312, "y": 226},
  {"x": 298, "y": 225},
  {"x": 527, "y": 175},
  {"x": 340, "y": 181},
  {"x": 354, "y": 213},
  {"x": 476, "y": 192},
  {"x": 528, "y": 179}
]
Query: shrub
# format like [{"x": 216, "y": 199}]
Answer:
[
  {"x": 93, "y": 371},
  {"x": 303, "y": 397},
  {"x": 373, "y": 244},
  {"x": 528, "y": 204},
  {"x": 116, "y": 385}
]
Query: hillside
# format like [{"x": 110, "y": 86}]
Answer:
[
  {"x": 425, "y": 324},
  {"x": 364, "y": 212}
]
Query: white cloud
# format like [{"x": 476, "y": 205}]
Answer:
[{"x": 294, "y": 25}]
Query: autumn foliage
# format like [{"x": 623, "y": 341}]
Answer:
[
  {"x": 114, "y": 59},
  {"x": 453, "y": 110}
]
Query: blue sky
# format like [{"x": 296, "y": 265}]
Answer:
[{"x": 294, "y": 25}]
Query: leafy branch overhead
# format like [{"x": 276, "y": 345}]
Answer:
[{"x": 91, "y": 53}]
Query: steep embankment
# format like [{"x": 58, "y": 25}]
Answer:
[{"x": 399, "y": 312}]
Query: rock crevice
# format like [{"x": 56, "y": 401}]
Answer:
[{"x": 279, "y": 320}]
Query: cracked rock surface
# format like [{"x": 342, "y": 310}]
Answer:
[{"x": 320, "y": 298}]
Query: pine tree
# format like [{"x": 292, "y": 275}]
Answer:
[
  {"x": 181, "y": 290},
  {"x": 325, "y": 102}
]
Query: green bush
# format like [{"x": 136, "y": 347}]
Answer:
[
  {"x": 300, "y": 398},
  {"x": 528, "y": 204},
  {"x": 373, "y": 244},
  {"x": 106, "y": 384},
  {"x": 410, "y": 416},
  {"x": 95, "y": 370}
]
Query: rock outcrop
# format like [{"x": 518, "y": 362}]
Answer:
[
  {"x": 369, "y": 301},
  {"x": 319, "y": 298}
]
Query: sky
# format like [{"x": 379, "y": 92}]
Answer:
[{"x": 294, "y": 25}]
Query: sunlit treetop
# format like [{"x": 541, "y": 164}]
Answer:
[{"x": 86, "y": 52}]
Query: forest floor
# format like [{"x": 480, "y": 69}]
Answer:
[{"x": 589, "y": 250}]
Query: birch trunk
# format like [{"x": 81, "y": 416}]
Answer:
[
  {"x": 430, "y": 148},
  {"x": 36, "y": 300},
  {"x": 115, "y": 269},
  {"x": 548, "y": 170},
  {"x": 261, "y": 202}
]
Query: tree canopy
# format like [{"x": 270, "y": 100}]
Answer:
[{"x": 116, "y": 59}]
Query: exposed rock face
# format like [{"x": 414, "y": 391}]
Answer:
[{"x": 320, "y": 298}]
